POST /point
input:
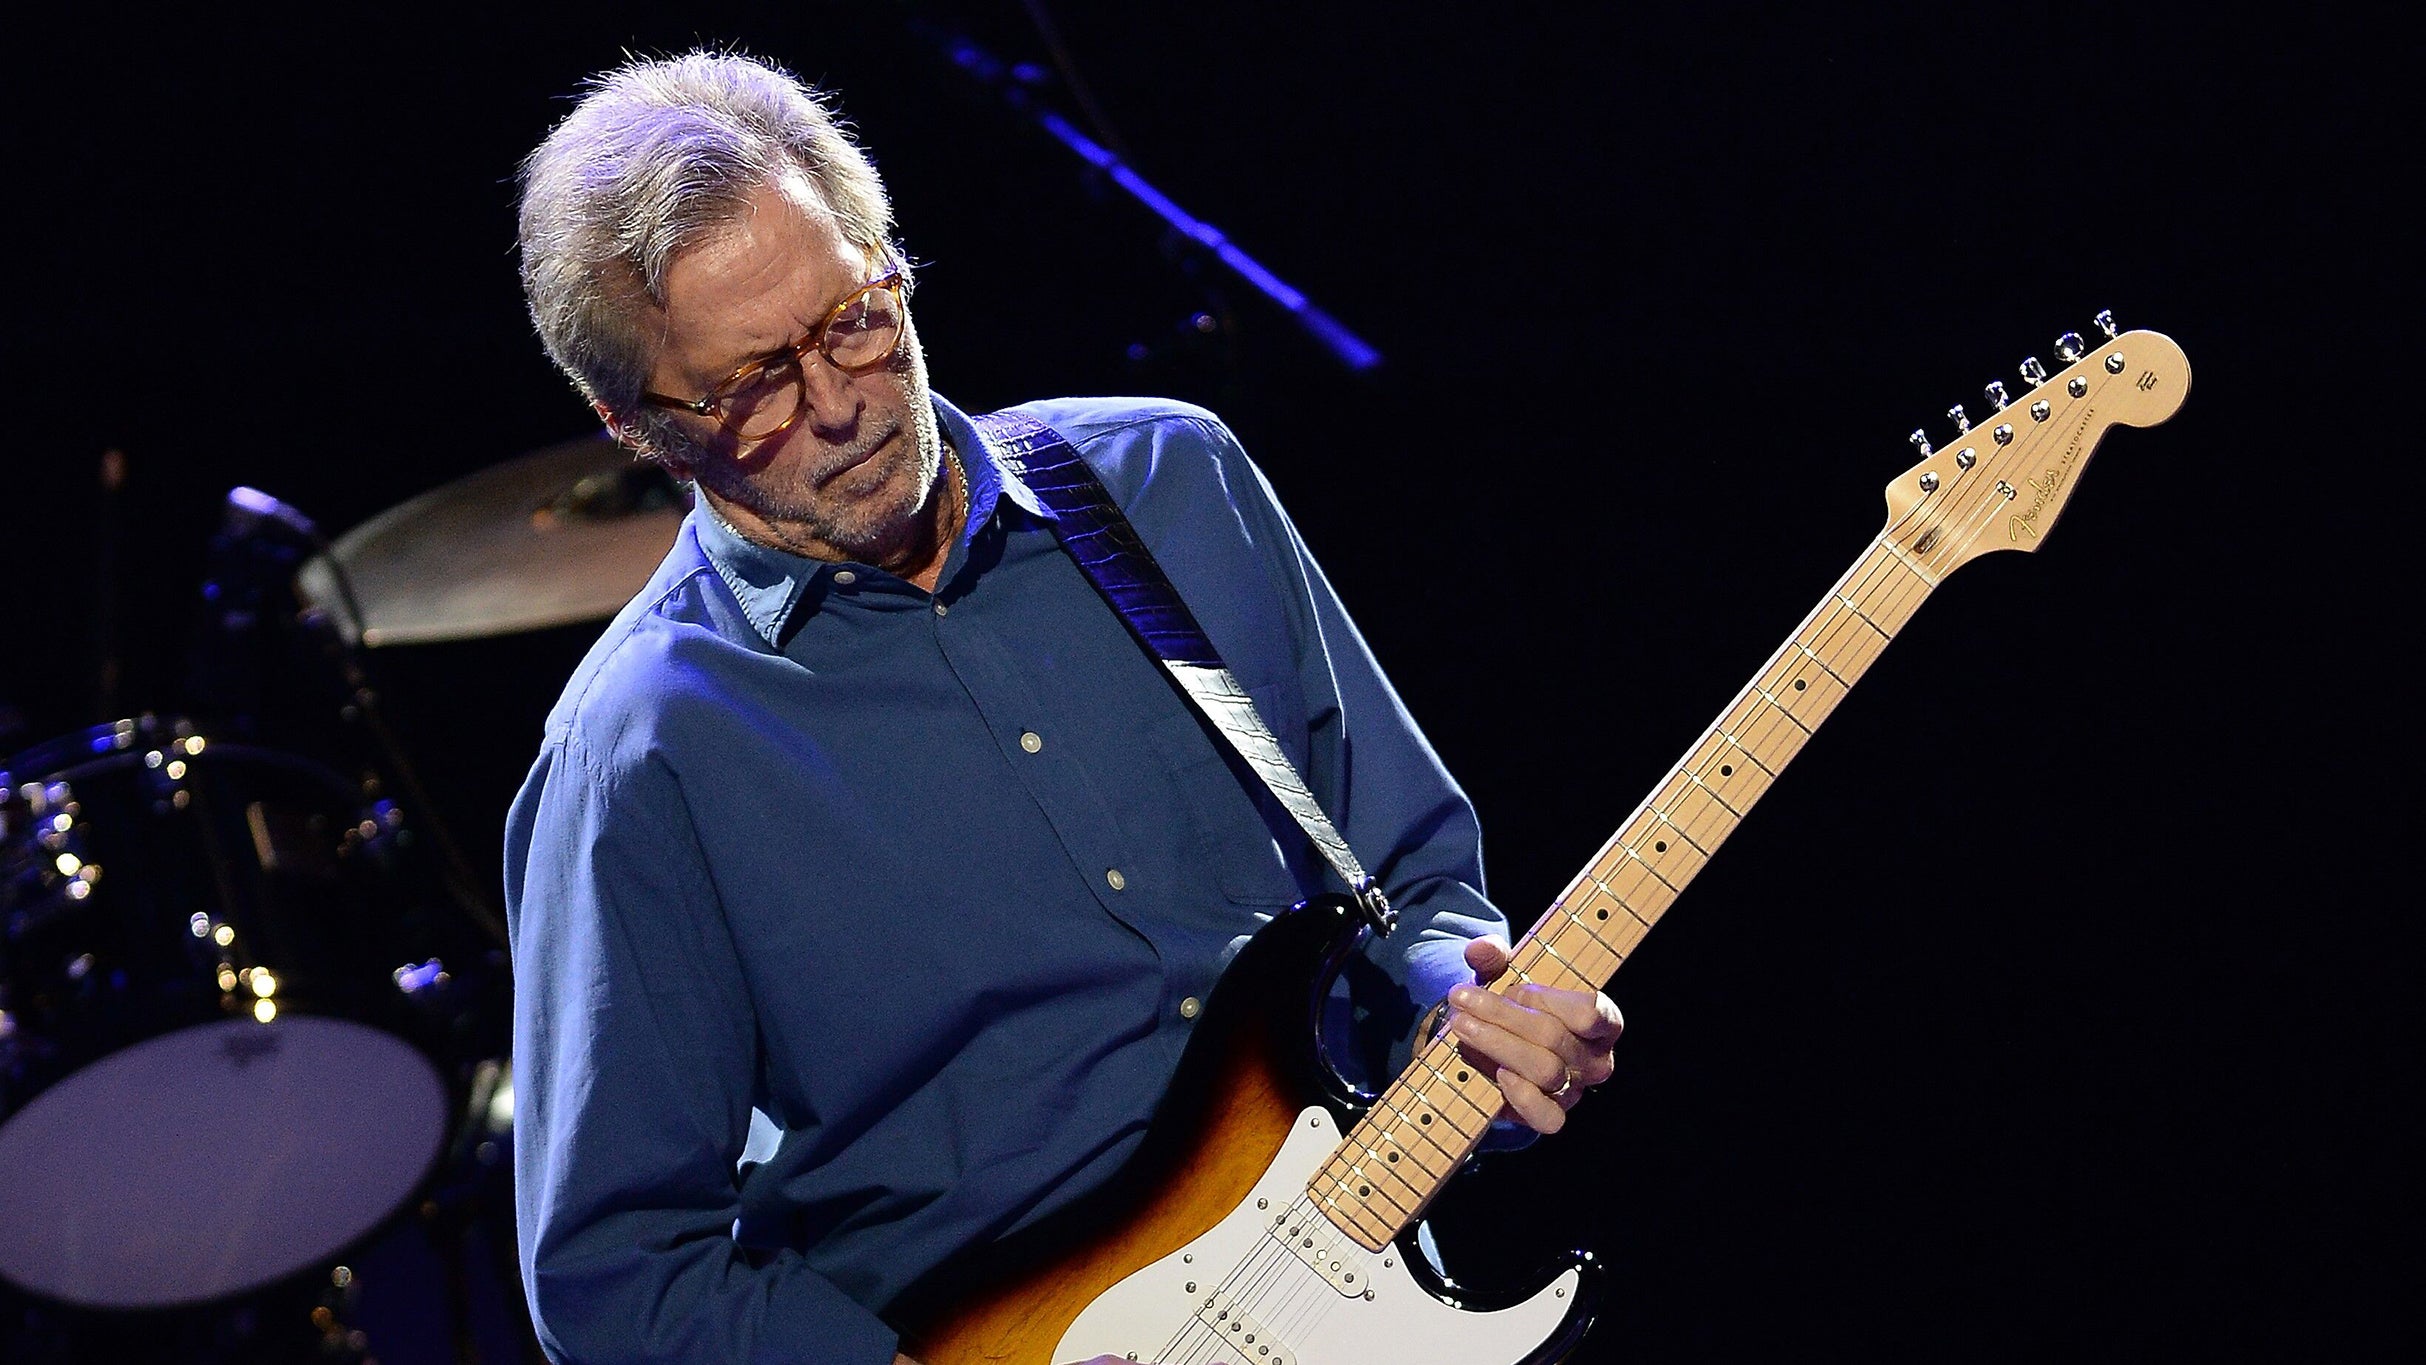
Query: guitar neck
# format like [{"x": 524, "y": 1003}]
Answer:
[{"x": 1430, "y": 1119}]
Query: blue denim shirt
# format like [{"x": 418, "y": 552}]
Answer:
[{"x": 852, "y": 924}]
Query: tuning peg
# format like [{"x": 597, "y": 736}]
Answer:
[
  {"x": 2069, "y": 347},
  {"x": 1962, "y": 422},
  {"x": 2105, "y": 322},
  {"x": 2033, "y": 373},
  {"x": 1920, "y": 442},
  {"x": 1996, "y": 395}
]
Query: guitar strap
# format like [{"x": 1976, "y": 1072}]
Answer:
[{"x": 1107, "y": 549}]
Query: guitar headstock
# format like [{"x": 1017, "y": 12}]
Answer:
[{"x": 2002, "y": 481}]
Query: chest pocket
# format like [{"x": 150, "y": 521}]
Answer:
[{"x": 1240, "y": 831}]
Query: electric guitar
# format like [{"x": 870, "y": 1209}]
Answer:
[{"x": 1271, "y": 1217}]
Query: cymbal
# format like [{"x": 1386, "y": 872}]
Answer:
[{"x": 564, "y": 534}]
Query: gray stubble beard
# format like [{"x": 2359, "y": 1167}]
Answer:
[{"x": 864, "y": 533}]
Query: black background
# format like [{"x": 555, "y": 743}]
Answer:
[{"x": 2048, "y": 1007}]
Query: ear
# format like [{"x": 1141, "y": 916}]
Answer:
[{"x": 632, "y": 441}]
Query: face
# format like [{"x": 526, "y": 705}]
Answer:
[{"x": 854, "y": 476}]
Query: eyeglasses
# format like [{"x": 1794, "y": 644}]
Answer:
[{"x": 765, "y": 397}]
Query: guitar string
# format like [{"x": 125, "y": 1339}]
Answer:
[
  {"x": 2028, "y": 437},
  {"x": 1300, "y": 1304},
  {"x": 1297, "y": 1311},
  {"x": 2044, "y": 432},
  {"x": 1262, "y": 1266},
  {"x": 1303, "y": 1294}
]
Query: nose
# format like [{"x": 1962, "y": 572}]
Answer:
[{"x": 833, "y": 400}]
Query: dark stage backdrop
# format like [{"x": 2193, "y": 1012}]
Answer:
[{"x": 2048, "y": 1006}]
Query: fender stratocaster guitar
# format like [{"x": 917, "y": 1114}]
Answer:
[{"x": 1270, "y": 1218}]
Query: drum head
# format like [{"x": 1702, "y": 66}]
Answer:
[{"x": 214, "y": 1160}]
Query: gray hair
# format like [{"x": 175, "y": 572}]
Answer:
[{"x": 657, "y": 157}]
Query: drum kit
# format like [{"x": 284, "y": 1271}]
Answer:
[{"x": 254, "y": 998}]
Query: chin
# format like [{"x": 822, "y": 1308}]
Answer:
[{"x": 867, "y": 524}]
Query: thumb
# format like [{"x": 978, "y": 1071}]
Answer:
[{"x": 1488, "y": 957}]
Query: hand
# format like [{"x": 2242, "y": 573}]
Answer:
[{"x": 1544, "y": 1046}]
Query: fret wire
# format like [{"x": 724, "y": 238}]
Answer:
[
  {"x": 1541, "y": 945},
  {"x": 1353, "y": 1229},
  {"x": 1422, "y": 1130},
  {"x": 1591, "y": 944},
  {"x": 1418, "y": 1192},
  {"x": 1458, "y": 1088},
  {"x": 1371, "y": 1189},
  {"x": 1633, "y": 911},
  {"x": 1563, "y": 908},
  {"x": 1378, "y": 1153},
  {"x": 1878, "y": 594},
  {"x": 1352, "y": 1208},
  {"x": 1572, "y": 969},
  {"x": 1814, "y": 657}
]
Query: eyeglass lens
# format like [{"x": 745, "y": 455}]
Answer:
[{"x": 862, "y": 332}]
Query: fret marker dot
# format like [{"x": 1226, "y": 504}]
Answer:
[
  {"x": 1660, "y": 847},
  {"x": 1726, "y": 770},
  {"x": 1425, "y": 1119},
  {"x": 1604, "y": 914},
  {"x": 1394, "y": 1156},
  {"x": 1363, "y": 1190},
  {"x": 1462, "y": 1075},
  {"x": 1799, "y": 684}
]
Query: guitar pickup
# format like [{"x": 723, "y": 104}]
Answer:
[
  {"x": 1250, "y": 1342},
  {"x": 1326, "y": 1250}
]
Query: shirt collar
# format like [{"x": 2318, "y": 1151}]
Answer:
[{"x": 773, "y": 585}]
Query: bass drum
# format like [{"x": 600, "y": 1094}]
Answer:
[{"x": 230, "y": 1017}]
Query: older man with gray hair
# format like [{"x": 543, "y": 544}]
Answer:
[{"x": 870, "y": 876}]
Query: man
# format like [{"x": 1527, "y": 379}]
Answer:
[{"x": 870, "y": 876}]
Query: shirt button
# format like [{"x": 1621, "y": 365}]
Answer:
[
  {"x": 1190, "y": 1008},
  {"x": 1031, "y": 741},
  {"x": 1113, "y": 879},
  {"x": 942, "y": 610},
  {"x": 845, "y": 577}
]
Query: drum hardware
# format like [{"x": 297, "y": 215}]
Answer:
[
  {"x": 229, "y": 1019},
  {"x": 253, "y": 1001}
]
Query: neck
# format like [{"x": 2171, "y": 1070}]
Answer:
[{"x": 948, "y": 513}]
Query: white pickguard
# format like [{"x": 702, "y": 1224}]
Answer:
[{"x": 1298, "y": 1316}]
